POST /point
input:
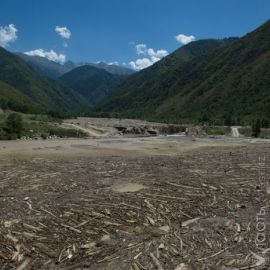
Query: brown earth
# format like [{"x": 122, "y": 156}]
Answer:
[{"x": 132, "y": 209}]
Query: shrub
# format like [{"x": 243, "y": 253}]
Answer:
[
  {"x": 256, "y": 128},
  {"x": 14, "y": 123},
  {"x": 43, "y": 136}
]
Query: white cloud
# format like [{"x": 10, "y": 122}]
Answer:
[
  {"x": 8, "y": 34},
  {"x": 140, "y": 64},
  {"x": 183, "y": 39},
  {"x": 141, "y": 48},
  {"x": 64, "y": 32},
  {"x": 158, "y": 53},
  {"x": 155, "y": 59},
  {"x": 113, "y": 63},
  {"x": 51, "y": 55},
  {"x": 152, "y": 57}
]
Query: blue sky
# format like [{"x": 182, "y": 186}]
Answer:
[{"x": 109, "y": 30}]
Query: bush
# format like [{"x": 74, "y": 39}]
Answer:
[
  {"x": 11, "y": 136},
  {"x": 228, "y": 121},
  {"x": 256, "y": 128},
  {"x": 265, "y": 133},
  {"x": 14, "y": 123},
  {"x": 245, "y": 131},
  {"x": 265, "y": 123},
  {"x": 43, "y": 136}
]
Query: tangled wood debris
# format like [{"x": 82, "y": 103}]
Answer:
[{"x": 192, "y": 211}]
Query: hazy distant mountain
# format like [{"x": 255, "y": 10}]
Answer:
[
  {"x": 111, "y": 68},
  {"x": 20, "y": 83},
  {"x": 230, "y": 80},
  {"x": 93, "y": 83},
  {"x": 44, "y": 66},
  {"x": 55, "y": 70},
  {"x": 114, "y": 69}
]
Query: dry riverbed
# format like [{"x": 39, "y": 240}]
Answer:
[{"x": 132, "y": 203}]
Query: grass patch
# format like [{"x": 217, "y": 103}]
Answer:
[
  {"x": 265, "y": 133},
  {"x": 216, "y": 130},
  {"x": 245, "y": 131}
]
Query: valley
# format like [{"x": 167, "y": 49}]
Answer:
[{"x": 155, "y": 160}]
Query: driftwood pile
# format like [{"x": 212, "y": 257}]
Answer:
[{"x": 195, "y": 211}]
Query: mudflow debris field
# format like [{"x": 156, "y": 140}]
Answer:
[{"x": 196, "y": 210}]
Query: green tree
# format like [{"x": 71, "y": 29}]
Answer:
[
  {"x": 256, "y": 128},
  {"x": 14, "y": 123},
  {"x": 3, "y": 104},
  {"x": 228, "y": 121},
  {"x": 265, "y": 123}
]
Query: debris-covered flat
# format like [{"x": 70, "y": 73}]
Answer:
[{"x": 197, "y": 210}]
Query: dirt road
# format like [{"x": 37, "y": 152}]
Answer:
[{"x": 235, "y": 132}]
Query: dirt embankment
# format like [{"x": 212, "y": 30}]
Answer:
[{"x": 109, "y": 127}]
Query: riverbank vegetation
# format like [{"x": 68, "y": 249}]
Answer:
[{"x": 27, "y": 126}]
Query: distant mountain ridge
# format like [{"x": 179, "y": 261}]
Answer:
[
  {"x": 114, "y": 69},
  {"x": 93, "y": 83},
  {"x": 55, "y": 70},
  {"x": 44, "y": 66}
]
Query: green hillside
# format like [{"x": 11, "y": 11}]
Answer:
[
  {"x": 143, "y": 89},
  {"x": 92, "y": 83},
  {"x": 232, "y": 80},
  {"x": 11, "y": 98},
  {"x": 47, "y": 93}
]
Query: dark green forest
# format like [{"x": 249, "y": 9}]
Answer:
[{"x": 231, "y": 80}]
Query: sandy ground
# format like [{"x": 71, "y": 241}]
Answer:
[
  {"x": 144, "y": 146},
  {"x": 165, "y": 203}
]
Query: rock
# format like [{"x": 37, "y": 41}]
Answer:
[
  {"x": 268, "y": 190},
  {"x": 152, "y": 132},
  {"x": 135, "y": 267},
  {"x": 190, "y": 221},
  {"x": 161, "y": 246},
  {"x": 105, "y": 237},
  {"x": 89, "y": 245},
  {"x": 10, "y": 223},
  {"x": 182, "y": 266},
  {"x": 151, "y": 220},
  {"x": 165, "y": 228}
]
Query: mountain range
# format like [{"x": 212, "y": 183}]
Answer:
[
  {"x": 231, "y": 78},
  {"x": 36, "y": 84},
  {"x": 24, "y": 89},
  {"x": 204, "y": 81},
  {"x": 55, "y": 70}
]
